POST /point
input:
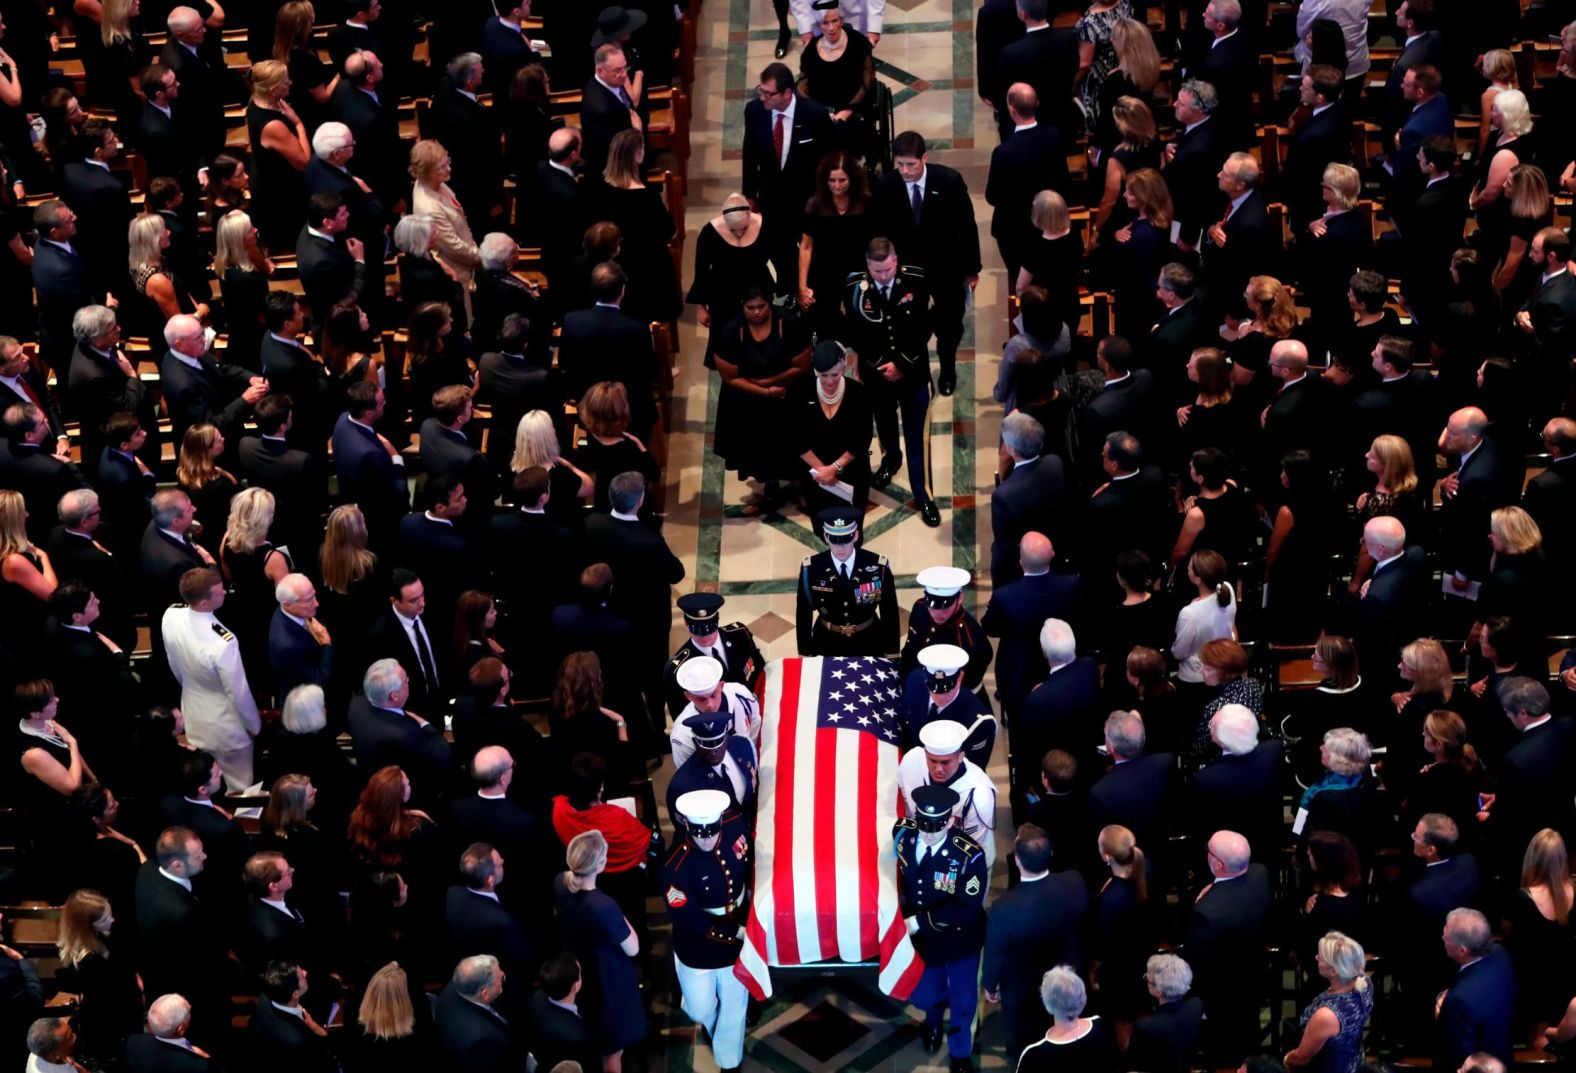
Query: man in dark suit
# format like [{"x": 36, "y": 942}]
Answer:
[
  {"x": 102, "y": 381},
  {"x": 1478, "y": 1010},
  {"x": 506, "y": 48},
  {"x": 926, "y": 212},
  {"x": 180, "y": 948},
  {"x": 643, "y": 565},
  {"x": 1534, "y": 773},
  {"x": 21, "y": 385},
  {"x": 1045, "y": 57},
  {"x": 486, "y": 724},
  {"x": 60, "y": 280},
  {"x": 293, "y": 476},
  {"x": 785, "y": 136},
  {"x": 1016, "y": 612},
  {"x": 1231, "y": 65},
  {"x": 164, "y": 1048},
  {"x": 608, "y": 106},
  {"x": 1032, "y": 497},
  {"x": 1225, "y": 936},
  {"x": 1428, "y": 115},
  {"x": 198, "y": 63},
  {"x": 328, "y": 172},
  {"x": 226, "y": 845},
  {"x": 536, "y": 557},
  {"x": 126, "y": 487},
  {"x": 604, "y": 343},
  {"x": 1132, "y": 509},
  {"x": 1030, "y": 158},
  {"x": 272, "y": 928},
  {"x": 435, "y": 541},
  {"x": 1125, "y": 402},
  {"x": 515, "y": 378},
  {"x": 1448, "y": 880},
  {"x": 1550, "y": 498},
  {"x": 285, "y": 1034},
  {"x": 1483, "y": 479},
  {"x": 300, "y": 649},
  {"x": 363, "y": 103},
  {"x": 559, "y": 1031},
  {"x": 1428, "y": 229},
  {"x": 371, "y": 472},
  {"x": 1243, "y": 785},
  {"x": 103, "y": 209},
  {"x": 28, "y": 467},
  {"x": 490, "y": 815},
  {"x": 446, "y": 451},
  {"x": 559, "y": 224},
  {"x": 1294, "y": 419},
  {"x": 1139, "y": 791},
  {"x": 1324, "y": 138},
  {"x": 93, "y": 679},
  {"x": 1192, "y": 162},
  {"x": 1032, "y": 927},
  {"x": 1184, "y": 327},
  {"x": 400, "y": 633},
  {"x": 470, "y": 133},
  {"x": 1241, "y": 243},
  {"x": 197, "y": 389},
  {"x": 478, "y": 923},
  {"x": 996, "y": 26},
  {"x": 1405, "y": 402},
  {"x": 1063, "y": 711},
  {"x": 1549, "y": 317},
  {"x": 80, "y": 558},
  {"x": 1394, "y": 601},
  {"x": 356, "y": 33},
  {"x": 1422, "y": 44},
  {"x": 330, "y": 273},
  {"x": 472, "y": 1033},
  {"x": 170, "y": 151},
  {"x": 383, "y": 732}
]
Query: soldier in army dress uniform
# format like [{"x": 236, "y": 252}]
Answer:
[
  {"x": 935, "y": 691},
  {"x": 888, "y": 323},
  {"x": 938, "y": 618},
  {"x": 942, "y": 877},
  {"x": 706, "y": 883},
  {"x": 732, "y": 646},
  {"x": 847, "y": 599}
]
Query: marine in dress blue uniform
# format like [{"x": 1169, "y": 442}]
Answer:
[
  {"x": 732, "y": 645},
  {"x": 706, "y": 883},
  {"x": 935, "y": 692},
  {"x": 942, "y": 877},
  {"x": 938, "y": 618},
  {"x": 847, "y": 604},
  {"x": 886, "y": 311},
  {"x": 722, "y": 761}
]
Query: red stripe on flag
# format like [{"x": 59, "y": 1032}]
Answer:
[
  {"x": 916, "y": 967},
  {"x": 788, "y": 715},
  {"x": 869, "y": 851},
  {"x": 824, "y": 823}
]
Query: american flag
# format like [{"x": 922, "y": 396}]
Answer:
[{"x": 825, "y": 873}]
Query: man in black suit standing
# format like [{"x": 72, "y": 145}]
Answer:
[
  {"x": 1046, "y": 57},
  {"x": 164, "y": 1048},
  {"x": 1184, "y": 327},
  {"x": 785, "y": 137},
  {"x": 180, "y": 948},
  {"x": 471, "y": 1032},
  {"x": 506, "y": 48},
  {"x": 559, "y": 1031},
  {"x": 433, "y": 540},
  {"x": 1550, "y": 498},
  {"x": 1226, "y": 935},
  {"x": 126, "y": 486},
  {"x": 1534, "y": 773},
  {"x": 197, "y": 389},
  {"x": 515, "y": 377},
  {"x": 490, "y": 815},
  {"x": 198, "y": 64},
  {"x": 362, "y": 102},
  {"x": 1404, "y": 403},
  {"x": 926, "y": 212},
  {"x": 400, "y": 632},
  {"x": 470, "y": 133},
  {"x": 1240, "y": 244},
  {"x": 1484, "y": 478},
  {"x": 28, "y": 466},
  {"x": 536, "y": 557},
  {"x": 1192, "y": 162},
  {"x": 1448, "y": 880},
  {"x": 500, "y": 293},
  {"x": 446, "y": 451},
  {"x": 169, "y": 151},
  {"x": 102, "y": 381},
  {"x": 1549, "y": 317},
  {"x": 609, "y": 104},
  {"x": 81, "y": 559},
  {"x": 1231, "y": 65},
  {"x": 643, "y": 564},
  {"x": 1390, "y": 611},
  {"x": 1132, "y": 509},
  {"x": 477, "y": 921},
  {"x": 1294, "y": 419},
  {"x": 1139, "y": 792},
  {"x": 1032, "y": 927},
  {"x": 20, "y": 385},
  {"x": 1125, "y": 402},
  {"x": 1422, "y": 44},
  {"x": 1478, "y": 1010},
  {"x": 383, "y": 732},
  {"x": 333, "y": 146},
  {"x": 1016, "y": 612},
  {"x": 1030, "y": 158},
  {"x": 1324, "y": 138},
  {"x": 558, "y": 225},
  {"x": 285, "y": 1034},
  {"x": 293, "y": 476},
  {"x": 357, "y": 32},
  {"x": 226, "y": 845},
  {"x": 371, "y": 470},
  {"x": 330, "y": 273},
  {"x": 291, "y": 370},
  {"x": 604, "y": 343},
  {"x": 103, "y": 209},
  {"x": 1031, "y": 497},
  {"x": 1062, "y": 712},
  {"x": 1243, "y": 785},
  {"x": 1428, "y": 230},
  {"x": 93, "y": 679},
  {"x": 60, "y": 281},
  {"x": 995, "y": 27}
]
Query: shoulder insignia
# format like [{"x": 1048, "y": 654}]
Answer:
[
  {"x": 912, "y": 271},
  {"x": 972, "y": 887},
  {"x": 806, "y": 564},
  {"x": 738, "y": 627},
  {"x": 906, "y": 823},
  {"x": 222, "y": 632},
  {"x": 853, "y": 277},
  {"x": 676, "y": 898},
  {"x": 965, "y": 843},
  {"x": 678, "y": 660},
  {"x": 881, "y": 560},
  {"x": 678, "y": 853}
]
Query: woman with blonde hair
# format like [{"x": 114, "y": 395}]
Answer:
[
  {"x": 729, "y": 254},
  {"x": 1396, "y": 494},
  {"x": 620, "y": 195},
  {"x": 1499, "y": 67},
  {"x": 1124, "y": 925},
  {"x": 1450, "y": 780},
  {"x": 311, "y": 80},
  {"x": 1332, "y": 1025},
  {"x": 27, "y": 579},
  {"x": 243, "y": 268},
  {"x": 1271, "y": 317},
  {"x": 1531, "y": 210},
  {"x": 599, "y": 935},
  {"x": 1540, "y": 935},
  {"x": 113, "y": 56},
  {"x": 253, "y": 567},
  {"x": 1139, "y": 250},
  {"x": 348, "y": 570},
  {"x": 280, "y": 151},
  {"x": 210, "y": 486},
  {"x": 1137, "y": 147},
  {"x": 147, "y": 238},
  {"x": 1053, "y": 258},
  {"x": 387, "y": 1037},
  {"x": 536, "y": 444},
  {"x": 1426, "y": 667},
  {"x": 455, "y": 248},
  {"x": 1136, "y": 73},
  {"x": 1517, "y": 585},
  {"x": 610, "y": 447},
  {"x": 1511, "y": 147},
  {"x": 109, "y": 1006}
]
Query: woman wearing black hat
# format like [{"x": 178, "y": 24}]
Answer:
[
  {"x": 832, "y": 429},
  {"x": 760, "y": 354}
]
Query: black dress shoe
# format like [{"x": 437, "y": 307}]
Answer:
[
  {"x": 946, "y": 383},
  {"x": 888, "y": 470},
  {"x": 930, "y": 514},
  {"x": 962, "y": 1065},
  {"x": 934, "y": 1034},
  {"x": 783, "y": 40}
]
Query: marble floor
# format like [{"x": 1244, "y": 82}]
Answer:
[{"x": 819, "y": 1020}]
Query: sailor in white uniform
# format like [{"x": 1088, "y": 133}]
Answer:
[{"x": 939, "y": 761}]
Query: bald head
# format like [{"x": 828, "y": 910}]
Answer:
[
  {"x": 169, "y": 1016},
  {"x": 1559, "y": 436},
  {"x": 562, "y": 145},
  {"x": 492, "y": 767},
  {"x": 1384, "y": 536},
  {"x": 1465, "y": 429},
  {"x": 1035, "y": 553},
  {"x": 1288, "y": 359},
  {"x": 1022, "y": 101},
  {"x": 1229, "y": 854}
]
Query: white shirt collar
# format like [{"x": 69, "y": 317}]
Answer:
[
  {"x": 199, "y": 802},
  {"x": 1409, "y": 40},
  {"x": 185, "y": 359},
  {"x": 1223, "y": 37},
  {"x": 1033, "y": 879},
  {"x": 920, "y": 182},
  {"x": 320, "y": 234},
  {"x": 1537, "y": 723},
  {"x": 1030, "y": 125},
  {"x": 515, "y": 26},
  {"x": 280, "y": 905},
  {"x": 1387, "y": 562},
  {"x": 431, "y": 517},
  {"x": 293, "y": 1011},
  {"x": 614, "y": 90},
  {"x": 465, "y": 93},
  {"x": 293, "y": 618},
  {"x": 1119, "y": 379},
  {"x": 1432, "y": 179},
  {"x": 183, "y": 881},
  {"x": 787, "y": 113},
  {"x": 1236, "y": 202},
  {"x": 1323, "y": 108},
  {"x": 360, "y": 424},
  {"x": 173, "y": 535},
  {"x": 625, "y": 517},
  {"x": 62, "y": 245},
  {"x": 1293, "y": 383},
  {"x": 97, "y": 163},
  {"x": 483, "y": 893},
  {"x": 1562, "y": 270},
  {"x": 162, "y": 108}
]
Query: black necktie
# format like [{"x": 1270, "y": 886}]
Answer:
[
  {"x": 916, "y": 200},
  {"x": 429, "y": 670},
  {"x": 934, "y": 711}
]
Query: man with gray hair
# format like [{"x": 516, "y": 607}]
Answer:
[
  {"x": 1192, "y": 160},
  {"x": 1228, "y": 63},
  {"x": 197, "y": 389},
  {"x": 28, "y": 466},
  {"x": 197, "y": 59},
  {"x": 60, "y": 278},
  {"x": 609, "y": 104},
  {"x": 1165, "y": 1039},
  {"x": 328, "y": 172},
  {"x": 103, "y": 381},
  {"x": 1062, "y": 711},
  {"x": 164, "y": 1046},
  {"x": 52, "y": 1046},
  {"x": 1031, "y": 497},
  {"x": 1240, "y": 244},
  {"x": 1226, "y": 935},
  {"x": 1140, "y": 789},
  {"x": 382, "y": 732},
  {"x": 1478, "y": 1009},
  {"x": 299, "y": 646},
  {"x": 472, "y": 1033},
  {"x": 78, "y": 555},
  {"x": 1242, "y": 786},
  {"x": 470, "y": 133},
  {"x": 1482, "y": 479},
  {"x": 500, "y": 293},
  {"x": 1534, "y": 775}
]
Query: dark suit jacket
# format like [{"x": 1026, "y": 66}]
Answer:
[
  {"x": 1479, "y": 1011},
  {"x": 475, "y": 1039},
  {"x": 376, "y": 129},
  {"x": 1429, "y": 48},
  {"x": 508, "y": 827},
  {"x": 369, "y": 478},
  {"x": 267, "y": 934},
  {"x": 1420, "y": 917},
  {"x": 97, "y": 388},
  {"x": 470, "y": 133},
  {"x": 63, "y": 287},
  {"x": 1032, "y": 498},
  {"x": 1251, "y": 248},
  {"x": 98, "y": 693},
  {"x": 514, "y": 385},
  {"x": 1177, "y": 334},
  {"x": 211, "y": 394},
  {"x": 33, "y": 470},
  {"x": 1433, "y": 116},
  {"x": 1046, "y": 59},
  {"x": 125, "y": 496},
  {"x": 1239, "y": 793},
  {"x": 995, "y": 27},
  {"x": 1191, "y": 178},
  {"x": 1015, "y": 614},
  {"x": 1026, "y": 162},
  {"x": 169, "y": 151},
  {"x": 109, "y": 573},
  {"x": 1295, "y": 419},
  {"x": 163, "y": 562},
  {"x": 293, "y": 371},
  {"x": 298, "y": 485},
  {"x": 783, "y": 191},
  {"x": 560, "y": 224},
  {"x": 1063, "y": 712},
  {"x": 1133, "y": 512},
  {"x": 946, "y": 240},
  {"x": 1430, "y": 230},
  {"x": 380, "y": 738},
  {"x": 559, "y": 1036},
  {"x": 1550, "y": 498},
  {"x": 644, "y": 568},
  {"x": 328, "y": 274},
  {"x": 297, "y": 659},
  {"x": 179, "y": 944},
  {"x": 1231, "y": 65},
  {"x": 498, "y": 293},
  {"x": 477, "y": 924},
  {"x": 1490, "y": 478},
  {"x": 1225, "y": 936},
  {"x": 1163, "y": 1041},
  {"x": 1029, "y": 927},
  {"x": 603, "y": 343},
  {"x": 603, "y": 115},
  {"x": 146, "y": 1053},
  {"x": 387, "y": 639},
  {"x": 505, "y": 52},
  {"x": 103, "y": 215},
  {"x": 224, "y": 840},
  {"x": 1326, "y": 263},
  {"x": 347, "y": 38},
  {"x": 284, "y": 1041},
  {"x": 199, "y": 110},
  {"x": 1137, "y": 794},
  {"x": 1322, "y": 140},
  {"x": 1553, "y": 312},
  {"x": 1129, "y": 405},
  {"x": 1534, "y": 777},
  {"x": 446, "y": 452}
]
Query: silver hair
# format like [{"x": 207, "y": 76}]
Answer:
[
  {"x": 1469, "y": 928},
  {"x": 290, "y": 588},
  {"x": 329, "y": 139},
  {"x": 1023, "y": 434},
  {"x": 475, "y": 974},
  {"x": 382, "y": 680},
  {"x": 183, "y": 20},
  {"x": 1063, "y": 993},
  {"x": 1243, "y": 168},
  {"x": 1345, "y": 957},
  {"x": 304, "y": 710},
  {"x": 76, "y": 505},
  {"x": 182, "y": 326},
  {"x": 413, "y": 235},
  {"x": 1203, "y": 94},
  {"x": 1169, "y": 975},
  {"x": 1125, "y": 731},
  {"x": 1236, "y": 728},
  {"x": 498, "y": 251},
  {"x": 1227, "y": 11},
  {"x": 460, "y": 68},
  {"x": 92, "y": 322},
  {"x": 168, "y": 503},
  {"x": 168, "y": 1015},
  {"x": 1346, "y": 750},
  {"x": 1058, "y": 643}
]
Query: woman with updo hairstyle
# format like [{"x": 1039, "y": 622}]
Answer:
[
  {"x": 1226, "y": 681},
  {"x": 1211, "y": 614},
  {"x": 1154, "y": 696},
  {"x": 606, "y": 944},
  {"x": 290, "y": 825},
  {"x": 280, "y": 151},
  {"x": 1271, "y": 317},
  {"x": 103, "y": 857},
  {"x": 1452, "y": 778},
  {"x": 536, "y": 444},
  {"x": 1499, "y": 68},
  {"x": 98, "y": 968},
  {"x": 831, "y": 432},
  {"x": 1140, "y": 620},
  {"x": 1137, "y": 147},
  {"x": 1220, "y": 516},
  {"x": 610, "y": 447},
  {"x": 1469, "y": 327},
  {"x": 1332, "y": 1024},
  {"x": 1124, "y": 925},
  {"x": 1541, "y": 935},
  {"x": 1512, "y": 145},
  {"x": 729, "y": 255}
]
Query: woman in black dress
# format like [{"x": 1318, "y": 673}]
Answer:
[
  {"x": 620, "y": 195},
  {"x": 1470, "y": 328},
  {"x": 1335, "y": 900},
  {"x": 1053, "y": 259},
  {"x": 1541, "y": 936},
  {"x": 434, "y": 356},
  {"x": 252, "y": 568},
  {"x": 1073, "y": 1042},
  {"x": 1137, "y": 251},
  {"x": 1531, "y": 210},
  {"x": 1137, "y": 148},
  {"x": 50, "y": 768},
  {"x": 350, "y": 351},
  {"x": 228, "y": 183},
  {"x": 1213, "y": 418},
  {"x": 837, "y": 228},
  {"x": 296, "y": 823},
  {"x": 526, "y": 124},
  {"x": 1339, "y": 700},
  {"x": 280, "y": 150},
  {"x": 26, "y": 581},
  {"x": 1425, "y": 668},
  {"x": 729, "y": 256},
  {"x": 97, "y": 966},
  {"x": 209, "y": 486},
  {"x": 1451, "y": 780},
  {"x": 1518, "y": 580},
  {"x": 311, "y": 80},
  {"x": 760, "y": 355},
  {"x": 243, "y": 270},
  {"x": 475, "y": 616},
  {"x": 1296, "y": 561},
  {"x": 16, "y": 260},
  {"x": 1038, "y": 383},
  {"x": 832, "y": 432},
  {"x": 1367, "y": 297},
  {"x": 536, "y": 444},
  {"x": 580, "y": 722},
  {"x": 837, "y": 69},
  {"x": 160, "y": 294},
  {"x": 1139, "y": 620},
  {"x": 610, "y": 447},
  {"x": 352, "y": 590},
  {"x": 103, "y": 858},
  {"x": 1136, "y": 72},
  {"x": 113, "y": 56},
  {"x": 1123, "y": 926},
  {"x": 1513, "y": 145},
  {"x": 1271, "y": 315}
]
